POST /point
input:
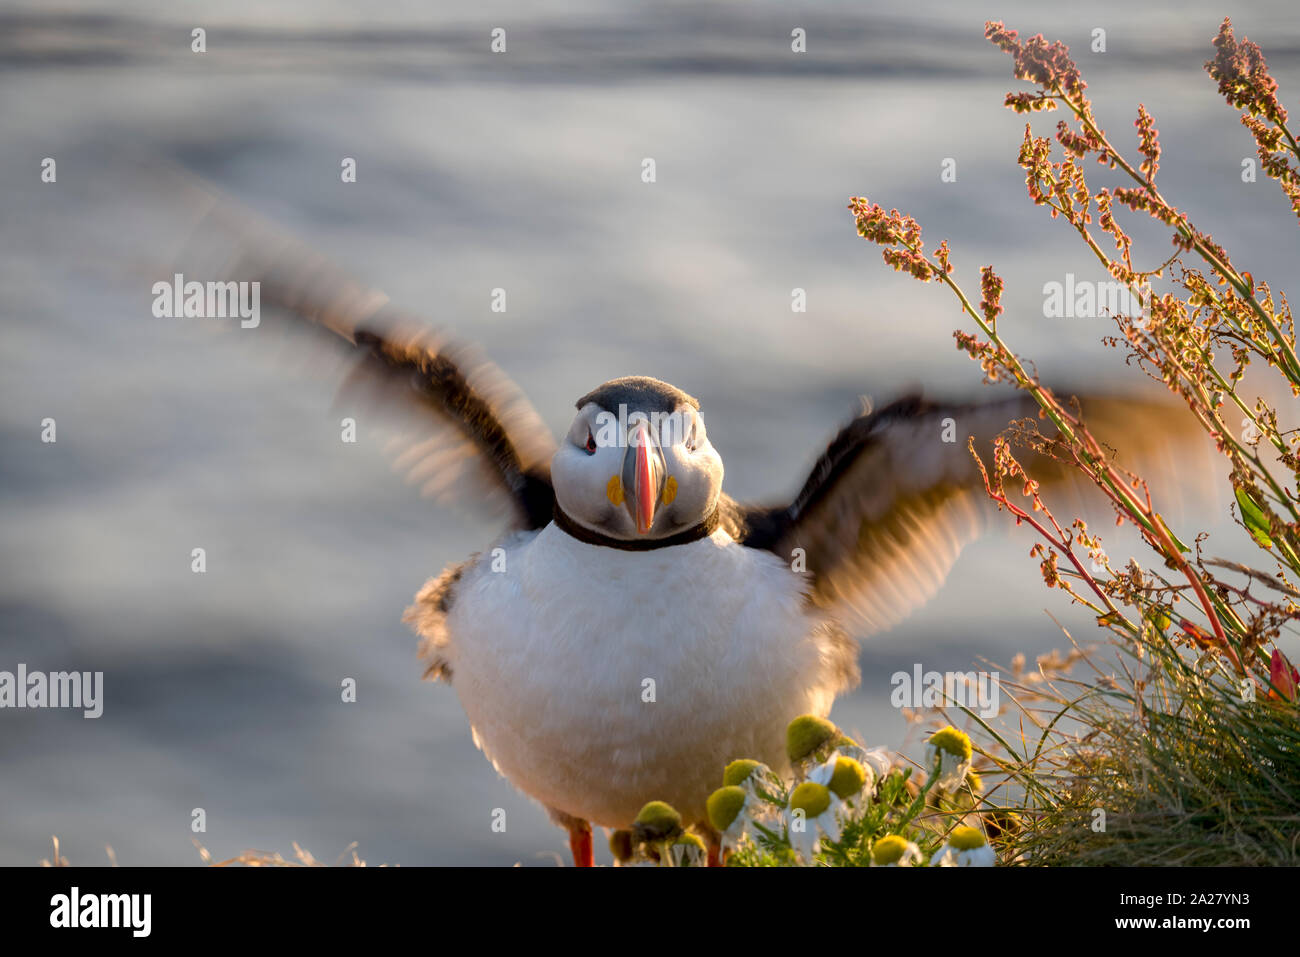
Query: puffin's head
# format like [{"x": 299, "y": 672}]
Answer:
[{"x": 637, "y": 464}]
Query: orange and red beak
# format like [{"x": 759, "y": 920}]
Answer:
[{"x": 643, "y": 476}]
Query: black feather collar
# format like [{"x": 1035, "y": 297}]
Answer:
[{"x": 693, "y": 534}]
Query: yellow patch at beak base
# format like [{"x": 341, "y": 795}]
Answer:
[
  {"x": 670, "y": 490},
  {"x": 614, "y": 491}
]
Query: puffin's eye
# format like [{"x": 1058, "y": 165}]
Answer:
[
  {"x": 692, "y": 439},
  {"x": 591, "y": 443}
]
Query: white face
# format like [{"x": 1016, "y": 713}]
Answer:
[{"x": 645, "y": 477}]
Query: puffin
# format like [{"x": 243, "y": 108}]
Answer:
[{"x": 632, "y": 628}]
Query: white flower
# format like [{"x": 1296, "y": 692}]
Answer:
[
  {"x": 952, "y": 750},
  {"x": 895, "y": 851},
  {"x": 846, "y": 779},
  {"x": 875, "y": 760},
  {"x": 813, "y": 813},
  {"x": 878, "y": 760},
  {"x": 966, "y": 847},
  {"x": 822, "y": 773},
  {"x": 765, "y": 790},
  {"x": 688, "y": 851},
  {"x": 807, "y": 740},
  {"x": 729, "y": 812}
]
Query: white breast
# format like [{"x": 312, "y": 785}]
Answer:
[{"x": 597, "y": 679}]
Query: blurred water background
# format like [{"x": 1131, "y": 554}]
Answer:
[{"x": 477, "y": 171}]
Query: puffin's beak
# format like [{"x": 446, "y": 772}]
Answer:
[{"x": 643, "y": 476}]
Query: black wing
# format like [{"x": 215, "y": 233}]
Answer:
[
  {"x": 458, "y": 426},
  {"x": 890, "y": 504}
]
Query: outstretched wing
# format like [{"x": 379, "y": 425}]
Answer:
[
  {"x": 458, "y": 426},
  {"x": 890, "y": 504}
]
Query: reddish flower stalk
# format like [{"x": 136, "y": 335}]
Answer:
[
  {"x": 1171, "y": 344},
  {"x": 1049, "y": 66}
]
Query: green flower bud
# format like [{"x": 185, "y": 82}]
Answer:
[
  {"x": 889, "y": 850},
  {"x": 953, "y": 741},
  {"x": 620, "y": 845},
  {"x": 806, "y": 734},
  {"x": 738, "y": 771},
  {"x": 657, "y": 822},
  {"x": 689, "y": 851},
  {"x": 691, "y": 840},
  {"x": 724, "y": 806},
  {"x": 966, "y": 838},
  {"x": 849, "y": 778},
  {"x": 810, "y": 797}
]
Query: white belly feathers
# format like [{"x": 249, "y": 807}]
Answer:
[{"x": 597, "y": 679}]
